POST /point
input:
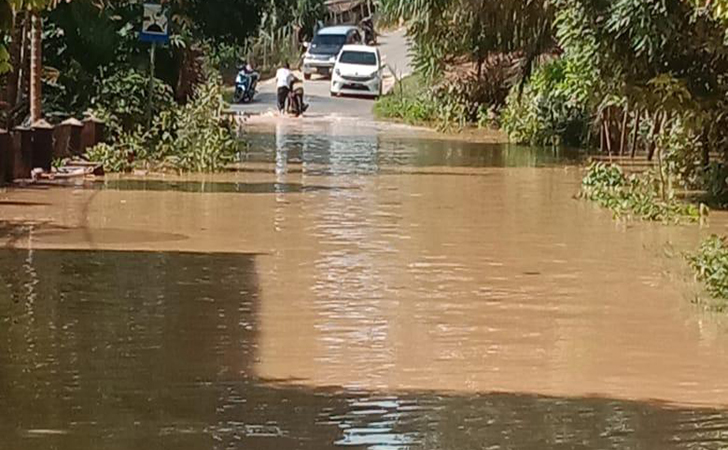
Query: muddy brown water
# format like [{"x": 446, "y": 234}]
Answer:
[{"x": 377, "y": 295}]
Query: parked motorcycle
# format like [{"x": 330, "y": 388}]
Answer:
[{"x": 245, "y": 86}]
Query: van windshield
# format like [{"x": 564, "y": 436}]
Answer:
[
  {"x": 359, "y": 58},
  {"x": 327, "y": 40}
]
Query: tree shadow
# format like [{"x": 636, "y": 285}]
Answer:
[{"x": 158, "y": 350}]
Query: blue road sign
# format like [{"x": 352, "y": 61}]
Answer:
[{"x": 155, "y": 27}]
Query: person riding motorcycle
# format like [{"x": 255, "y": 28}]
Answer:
[
  {"x": 296, "y": 105},
  {"x": 245, "y": 82},
  {"x": 290, "y": 92}
]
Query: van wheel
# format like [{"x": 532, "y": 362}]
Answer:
[{"x": 306, "y": 76}]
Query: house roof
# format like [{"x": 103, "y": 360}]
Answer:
[{"x": 342, "y": 6}]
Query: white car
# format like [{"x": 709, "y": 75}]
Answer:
[{"x": 358, "y": 71}]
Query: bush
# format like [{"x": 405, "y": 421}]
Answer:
[
  {"x": 710, "y": 264},
  {"x": 551, "y": 110},
  {"x": 201, "y": 139},
  {"x": 122, "y": 99},
  {"x": 640, "y": 196},
  {"x": 196, "y": 137}
]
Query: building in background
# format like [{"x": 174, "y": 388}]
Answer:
[{"x": 349, "y": 11}]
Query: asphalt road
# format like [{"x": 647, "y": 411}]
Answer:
[{"x": 394, "y": 49}]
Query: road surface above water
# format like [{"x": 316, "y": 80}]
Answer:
[
  {"x": 360, "y": 287},
  {"x": 394, "y": 49}
]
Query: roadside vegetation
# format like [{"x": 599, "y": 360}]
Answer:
[
  {"x": 193, "y": 137},
  {"x": 642, "y": 196},
  {"x": 629, "y": 78},
  {"x": 413, "y": 102},
  {"x": 94, "y": 64},
  {"x": 710, "y": 263}
]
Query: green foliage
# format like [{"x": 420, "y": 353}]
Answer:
[
  {"x": 640, "y": 196},
  {"x": 201, "y": 139},
  {"x": 446, "y": 106},
  {"x": 408, "y": 101},
  {"x": 412, "y": 102},
  {"x": 196, "y": 137},
  {"x": 553, "y": 107},
  {"x": 715, "y": 183},
  {"x": 444, "y": 31},
  {"x": 414, "y": 110},
  {"x": 710, "y": 264},
  {"x": 122, "y": 99}
]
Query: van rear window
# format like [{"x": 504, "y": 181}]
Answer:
[{"x": 330, "y": 40}]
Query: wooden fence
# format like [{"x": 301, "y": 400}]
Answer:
[{"x": 23, "y": 149}]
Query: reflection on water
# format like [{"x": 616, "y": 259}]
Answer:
[
  {"x": 157, "y": 350},
  {"x": 372, "y": 153}
]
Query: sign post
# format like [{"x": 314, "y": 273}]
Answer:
[{"x": 155, "y": 30}]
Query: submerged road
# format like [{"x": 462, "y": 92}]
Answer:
[{"x": 394, "y": 49}]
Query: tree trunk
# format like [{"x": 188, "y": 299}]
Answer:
[
  {"x": 705, "y": 156},
  {"x": 36, "y": 68},
  {"x": 636, "y": 132},
  {"x": 11, "y": 90},
  {"x": 653, "y": 136},
  {"x": 602, "y": 135},
  {"x": 623, "y": 139},
  {"x": 607, "y": 134},
  {"x": 24, "y": 64}
]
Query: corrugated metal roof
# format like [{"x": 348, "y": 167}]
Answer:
[{"x": 341, "y": 6}]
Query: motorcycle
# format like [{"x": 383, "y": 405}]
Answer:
[
  {"x": 370, "y": 35},
  {"x": 296, "y": 105},
  {"x": 245, "y": 86}
]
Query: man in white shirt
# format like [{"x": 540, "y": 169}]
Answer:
[{"x": 284, "y": 79}]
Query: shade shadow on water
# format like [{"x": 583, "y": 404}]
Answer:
[
  {"x": 157, "y": 350},
  {"x": 376, "y": 152}
]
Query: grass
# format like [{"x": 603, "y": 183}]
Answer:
[{"x": 409, "y": 101}]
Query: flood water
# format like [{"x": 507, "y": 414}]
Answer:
[{"x": 347, "y": 289}]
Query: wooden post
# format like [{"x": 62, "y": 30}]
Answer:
[
  {"x": 91, "y": 134},
  {"x": 5, "y": 154},
  {"x": 42, "y": 145},
  {"x": 22, "y": 149},
  {"x": 74, "y": 136}
]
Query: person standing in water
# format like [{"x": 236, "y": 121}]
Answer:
[{"x": 284, "y": 80}]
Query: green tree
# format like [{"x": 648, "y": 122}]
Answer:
[{"x": 446, "y": 31}]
